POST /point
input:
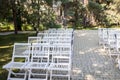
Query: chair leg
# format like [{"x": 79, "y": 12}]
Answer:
[
  {"x": 68, "y": 77},
  {"x": 25, "y": 76},
  {"x": 69, "y": 72},
  {"x": 51, "y": 75},
  {"x": 29, "y": 74},
  {"x": 9, "y": 73},
  {"x": 46, "y": 75}
]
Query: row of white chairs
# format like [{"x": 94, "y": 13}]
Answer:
[
  {"x": 109, "y": 38},
  {"x": 42, "y": 58}
]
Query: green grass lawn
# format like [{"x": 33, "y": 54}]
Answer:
[{"x": 6, "y": 49}]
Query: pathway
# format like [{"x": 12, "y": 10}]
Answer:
[{"x": 90, "y": 62}]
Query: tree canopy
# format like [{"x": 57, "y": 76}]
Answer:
[{"x": 41, "y": 15}]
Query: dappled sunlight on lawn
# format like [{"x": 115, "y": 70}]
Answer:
[
  {"x": 5, "y": 59},
  {"x": 5, "y": 54},
  {"x": 6, "y": 49},
  {"x": 1, "y": 47},
  {"x": 3, "y": 74}
]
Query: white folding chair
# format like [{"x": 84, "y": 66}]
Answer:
[
  {"x": 20, "y": 58},
  {"x": 33, "y": 39},
  {"x": 39, "y": 62},
  {"x": 100, "y": 35},
  {"x": 111, "y": 41},
  {"x": 118, "y": 61},
  {"x": 42, "y": 35},
  {"x": 69, "y": 30},
  {"x": 60, "y": 66},
  {"x": 118, "y": 48},
  {"x": 115, "y": 46}
]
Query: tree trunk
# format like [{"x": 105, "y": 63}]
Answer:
[
  {"x": 19, "y": 22},
  {"x": 85, "y": 20},
  {"x": 14, "y": 16},
  {"x": 76, "y": 17},
  {"x": 76, "y": 13},
  {"x": 38, "y": 21}
]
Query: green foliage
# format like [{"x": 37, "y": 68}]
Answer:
[
  {"x": 64, "y": 1},
  {"x": 106, "y": 13},
  {"x": 40, "y": 15},
  {"x": 112, "y": 13},
  {"x": 26, "y": 27},
  {"x": 5, "y": 12},
  {"x": 97, "y": 11},
  {"x": 49, "y": 2},
  {"x": 95, "y": 7},
  {"x": 79, "y": 12},
  {"x": 117, "y": 4},
  {"x": 52, "y": 24},
  {"x": 5, "y": 26}
]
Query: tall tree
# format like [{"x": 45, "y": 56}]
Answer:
[
  {"x": 16, "y": 11},
  {"x": 79, "y": 13},
  {"x": 96, "y": 12}
]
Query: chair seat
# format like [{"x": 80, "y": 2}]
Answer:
[
  {"x": 38, "y": 53},
  {"x": 23, "y": 54},
  {"x": 36, "y": 65},
  {"x": 17, "y": 65},
  {"x": 119, "y": 63},
  {"x": 16, "y": 79},
  {"x": 37, "y": 79},
  {"x": 60, "y": 66}
]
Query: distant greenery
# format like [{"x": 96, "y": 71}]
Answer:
[
  {"x": 39, "y": 14},
  {"x": 6, "y": 49},
  {"x": 26, "y": 27},
  {"x": 5, "y": 26}
]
